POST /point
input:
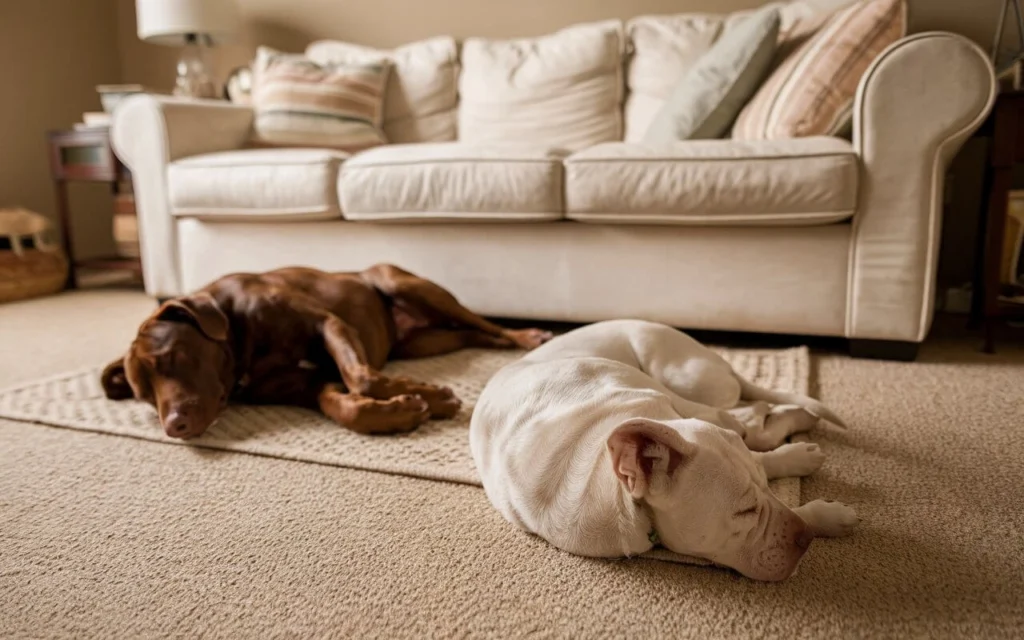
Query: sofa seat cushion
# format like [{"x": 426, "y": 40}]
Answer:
[
  {"x": 803, "y": 181},
  {"x": 257, "y": 184},
  {"x": 454, "y": 181}
]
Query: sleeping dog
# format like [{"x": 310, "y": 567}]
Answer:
[
  {"x": 307, "y": 338},
  {"x": 626, "y": 432}
]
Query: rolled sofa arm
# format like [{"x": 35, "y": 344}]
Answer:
[
  {"x": 916, "y": 105},
  {"x": 147, "y": 134}
]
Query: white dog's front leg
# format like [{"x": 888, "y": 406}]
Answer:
[
  {"x": 791, "y": 460},
  {"x": 828, "y": 519},
  {"x": 781, "y": 422}
]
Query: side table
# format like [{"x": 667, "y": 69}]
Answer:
[
  {"x": 1006, "y": 126},
  {"x": 86, "y": 155}
]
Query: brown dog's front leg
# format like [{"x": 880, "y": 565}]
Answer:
[
  {"x": 369, "y": 416},
  {"x": 427, "y": 295},
  {"x": 361, "y": 379}
]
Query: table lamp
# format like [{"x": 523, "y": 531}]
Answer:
[{"x": 194, "y": 24}]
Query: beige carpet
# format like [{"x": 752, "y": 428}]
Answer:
[{"x": 105, "y": 536}]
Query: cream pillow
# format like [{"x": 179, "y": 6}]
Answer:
[
  {"x": 706, "y": 101},
  {"x": 421, "y": 101},
  {"x": 812, "y": 92},
  {"x": 562, "y": 90},
  {"x": 299, "y": 103}
]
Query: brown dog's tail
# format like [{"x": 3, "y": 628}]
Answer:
[{"x": 750, "y": 391}]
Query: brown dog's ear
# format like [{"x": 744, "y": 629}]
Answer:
[
  {"x": 644, "y": 452},
  {"x": 115, "y": 382},
  {"x": 200, "y": 310}
]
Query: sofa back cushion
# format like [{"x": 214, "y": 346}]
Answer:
[
  {"x": 421, "y": 101},
  {"x": 299, "y": 103},
  {"x": 706, "y": 101},
  {"x": 563, "y": 90},
  {"x": 812, "y": 92},
  {"x": 664, "y": 48}
]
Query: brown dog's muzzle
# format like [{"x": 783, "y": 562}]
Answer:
[{"x": 186, "y": 420}]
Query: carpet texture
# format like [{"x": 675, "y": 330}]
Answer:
[{"x": 114, "y": 537}]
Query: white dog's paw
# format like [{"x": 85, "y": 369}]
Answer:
[
  {"x": 800, "y": 458},
  {"x": 829, "y": 519},
  {"x": 792, "y": 418}
]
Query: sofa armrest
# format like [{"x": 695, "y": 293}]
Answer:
[
  {"x": 147, "y": 134},
  {"x": 916, "y": 105}
]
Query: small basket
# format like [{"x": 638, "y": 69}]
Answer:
[{"x": 31, "y": 263}]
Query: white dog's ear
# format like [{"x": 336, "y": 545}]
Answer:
[{"x": 642, "y": 451}]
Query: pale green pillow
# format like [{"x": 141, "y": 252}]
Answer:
[{"x": 713, "y": 92}]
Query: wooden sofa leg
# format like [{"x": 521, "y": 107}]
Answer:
[{"x": 884, "y": 350}]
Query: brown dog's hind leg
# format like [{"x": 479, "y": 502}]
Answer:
[
  {"x": 369, "y": 416},
  {"x": 424, "y": 343},
  {"x": 362, "y": 380},
  {"x": 428, "y": 296}
]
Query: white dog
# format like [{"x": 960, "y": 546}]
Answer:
[{"x": 621, "y": 433}]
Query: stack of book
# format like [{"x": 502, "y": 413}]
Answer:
[
  {"x": 110, "y": 96},
  {"x": 93, "y": 120},
  {"x": 1011, "y": 268}
]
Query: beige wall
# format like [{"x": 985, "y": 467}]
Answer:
[
  {"x": 53, "y": 53},
  {"x": 291, "y": 24}
]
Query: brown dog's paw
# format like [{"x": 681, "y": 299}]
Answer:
[
  {"x": 528, "y": 338},
  {"x": 404, "y": 413},
  {"x": 442, "y": 401}
]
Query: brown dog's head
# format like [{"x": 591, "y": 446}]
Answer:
[{"x": 181, "y": 363}]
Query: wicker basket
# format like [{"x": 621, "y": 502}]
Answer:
[{"x": 31, "y": 263}]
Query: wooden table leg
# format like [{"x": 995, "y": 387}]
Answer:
[
  {"x": 65, "y": 231},
  {"x": 977, "y": 315},
  {"x": 999, "y": 200}
]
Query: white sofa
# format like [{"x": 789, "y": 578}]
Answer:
[{"x": 808, "y": 236}]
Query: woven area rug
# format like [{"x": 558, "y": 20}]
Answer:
[{"x": 438, "y": 450}]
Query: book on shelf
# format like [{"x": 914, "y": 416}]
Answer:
[
  {"x": 93, "y": 120},
  {"x": 1011, "y": 268}
]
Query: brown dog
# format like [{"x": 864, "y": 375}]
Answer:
[{"x": 305, "y": 338}]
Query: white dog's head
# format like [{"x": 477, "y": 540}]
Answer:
[{"x": 708, "y": 496}]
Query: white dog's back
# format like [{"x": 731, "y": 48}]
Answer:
[{"x": 539, "y": 430}]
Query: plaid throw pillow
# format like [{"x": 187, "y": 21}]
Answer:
[
  {"x": 299, "y": 103},
  {"x": 813, "y": 91}
]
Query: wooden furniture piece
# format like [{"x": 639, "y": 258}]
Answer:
[
  {"x": 1006, "y": 127},
  {"x": 86, "y": 155}
]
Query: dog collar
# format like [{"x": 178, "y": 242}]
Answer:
[{"x": 652, "y": 534}]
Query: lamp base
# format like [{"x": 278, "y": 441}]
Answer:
[{"x": 194, "y": 79}]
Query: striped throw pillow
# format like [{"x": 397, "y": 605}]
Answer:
[
  {"x": 299, "y": 103},
  {"x": 812, "y": 92}
]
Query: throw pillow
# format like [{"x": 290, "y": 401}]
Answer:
[
  {"x": 663, "y": 48},
  {"x": 299, "y": 103},
  {"x": 707, "y": 100},
  {"x": 562, "y": 90},
  {"x": 812, "y": 92},
  {"x": 421, "y": 101}
]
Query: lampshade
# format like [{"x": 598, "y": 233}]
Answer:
[{"x": 168, "y": 22}]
